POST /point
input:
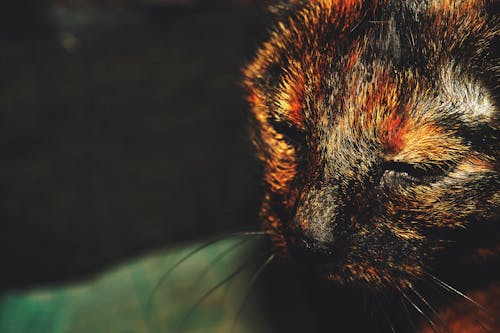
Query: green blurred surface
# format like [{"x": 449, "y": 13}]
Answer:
[{"x": 139, "y": 297}]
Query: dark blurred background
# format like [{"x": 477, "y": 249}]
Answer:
[{"x": 123, "y": 130}]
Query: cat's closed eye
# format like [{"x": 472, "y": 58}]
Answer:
[
  {"x": 290, "y": 132},
  {"x": 418, "y": 172}
]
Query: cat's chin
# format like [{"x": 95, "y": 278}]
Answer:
[{"x": 352, "y": 277}]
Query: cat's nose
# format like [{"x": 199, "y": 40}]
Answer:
[{"x": 312, "y": 251}]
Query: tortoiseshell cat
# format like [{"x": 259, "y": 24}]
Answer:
[{"x": 377, "y": 124}]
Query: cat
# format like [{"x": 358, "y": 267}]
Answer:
[{"x": 377, "y": 126}]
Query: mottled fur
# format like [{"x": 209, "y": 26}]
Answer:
[{"x": 377, "y": 124}]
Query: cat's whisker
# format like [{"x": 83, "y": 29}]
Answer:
[
  {"x": 244, "y": 233},
  {"x": 407, "y": 312},
  {"x": 253, "y": 280},
  {"x": 416, "y": 307},
  {"x": 189, "y": 255},
  {"x": 455, "y": 291},
  {"x": 484, "y": 328},
  {"x": 209, "y": 292},
  {"x": 387, "y": 317},
  {"x": 422, "y": 298},
  {"x": 451, "y": 304},
  {"x": 218, "y": 258}
]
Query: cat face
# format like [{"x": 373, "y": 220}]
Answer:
[{"x": 377, "y": 125}]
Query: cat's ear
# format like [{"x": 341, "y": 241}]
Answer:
[{"x": 282, "y": 8}]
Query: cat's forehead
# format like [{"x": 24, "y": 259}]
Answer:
[
  {"x": 450, "y": 94},
  {"x": 350, "y": 50},
  {"x": 405, "y": 75}
]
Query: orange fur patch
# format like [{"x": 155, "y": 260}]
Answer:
[
  {"x": 292, "y": 97},
  {"x": 396, "y": 127},
  {"x": 464, "y": 317},
  {"x": 422, "y": 143}
]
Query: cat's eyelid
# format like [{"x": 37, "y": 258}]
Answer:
[
  {"x": 280, "y": 120},
  {"x": 422, "y": 165},
  {"x": 419, "y": 169},
  {"x": 288, "y": 129}
]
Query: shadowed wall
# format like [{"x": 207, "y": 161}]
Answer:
[{"x": 123, "y": 129}]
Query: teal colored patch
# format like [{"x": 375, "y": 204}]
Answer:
[{"x": 139, "y": 297}]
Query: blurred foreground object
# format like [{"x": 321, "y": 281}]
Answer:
[{"x": 139, "y": 297}]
